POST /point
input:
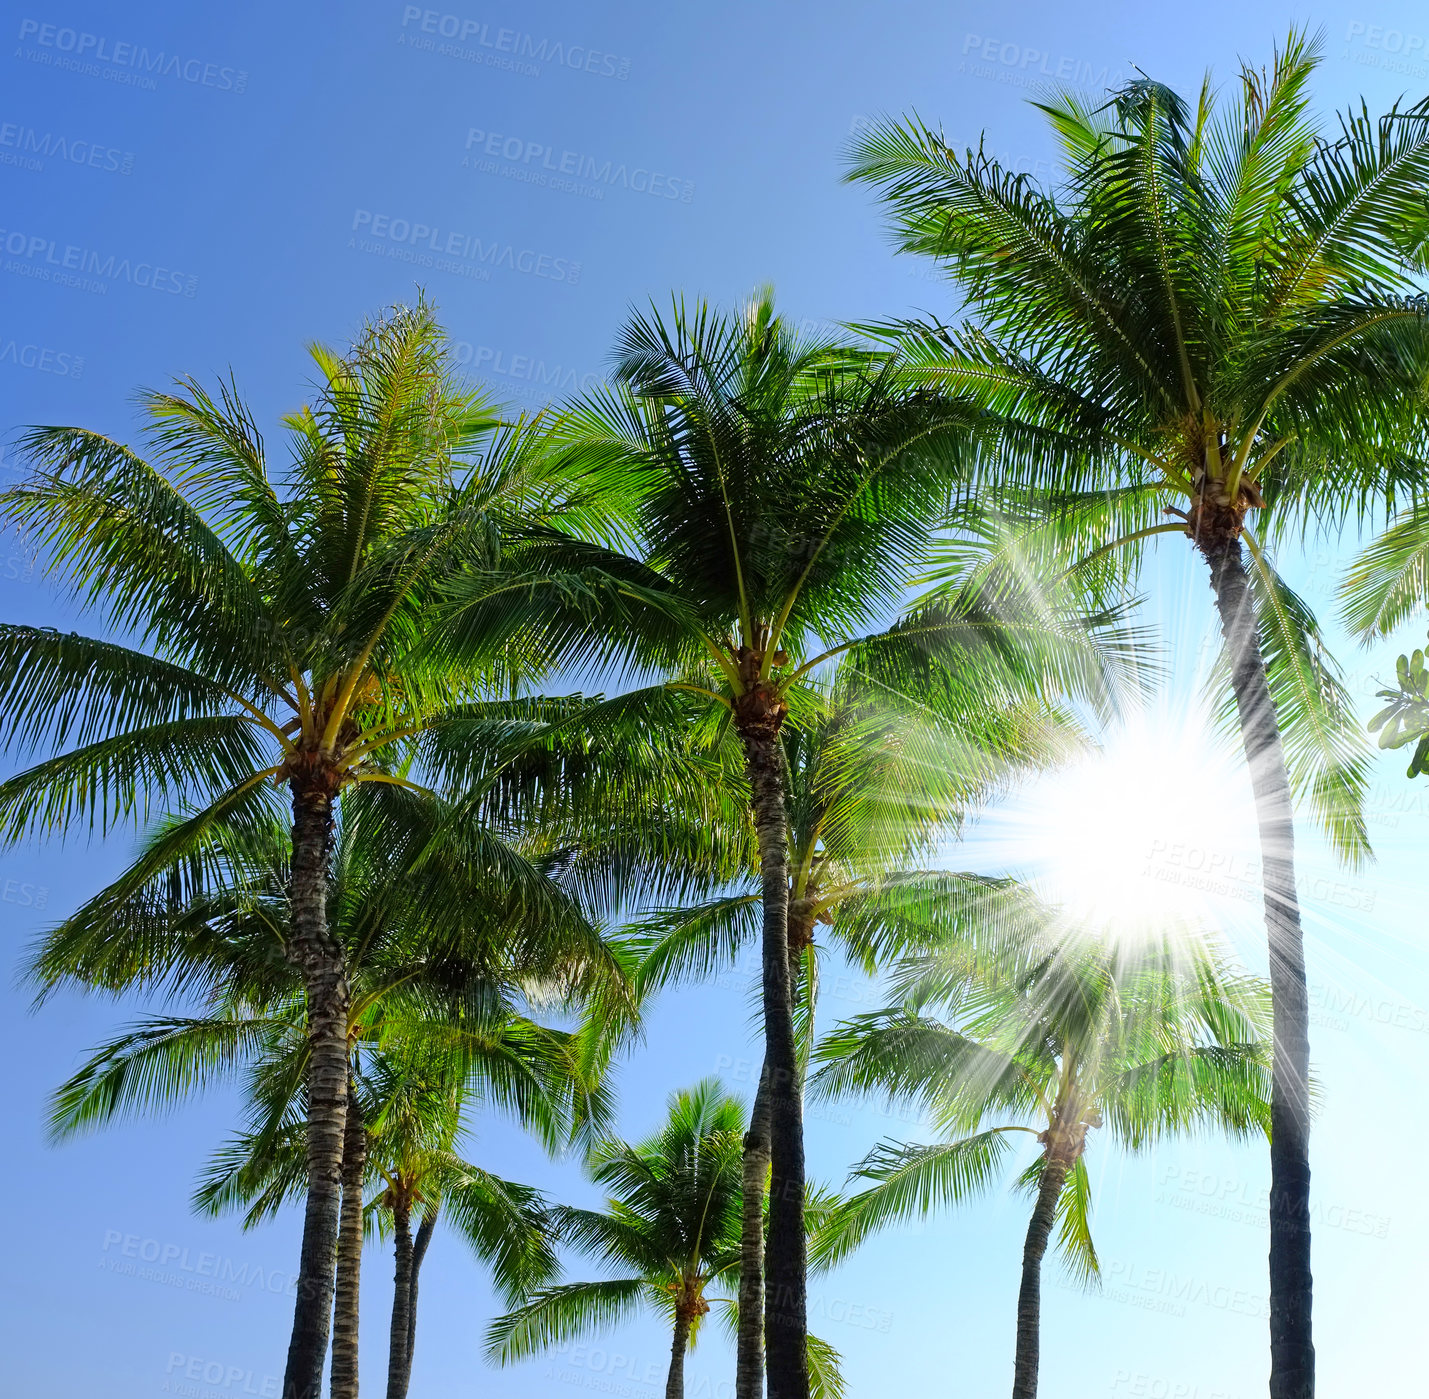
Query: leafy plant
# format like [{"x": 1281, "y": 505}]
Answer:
[{"x": 1405, "y": 719}]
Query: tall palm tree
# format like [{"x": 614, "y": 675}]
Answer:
[
  {"x": 437, "y": 952},
  {"x": 1213, "y": 314},
  {"x": 872, "y": 787},
  {"x": 1147, "y": 1040},
  {"x": 789, "y": 491},
  {"x": 281, "y": 633}
]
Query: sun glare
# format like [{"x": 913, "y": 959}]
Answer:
[{"x": 1151, "y": 833}]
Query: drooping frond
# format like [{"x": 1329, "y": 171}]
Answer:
[
  {"x": 911, "y": 1181},
  {"x": 1389, "y": 581},
  {"x": 154, "y": 1067},
  {"x": 564, "y": 1313},
  {"x": 1325, "y": 749}
]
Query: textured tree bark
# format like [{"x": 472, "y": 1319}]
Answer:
[
  {"x": 1292, "y": 1351},
  {"x": 675, "y": 1380},
  {"x": 325, "y": 982},
  {"x": 785, "y": 1303},
  {"x": 1029, "y": 1296},
  {"x": 342, "y": 1381},
  {"x": 419, "y": 1252},
  {"x": 749, "y": 1361},
  {"x": 398, "y": 1369}
]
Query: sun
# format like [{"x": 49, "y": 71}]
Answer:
[{"x": 1151, "y": 832}]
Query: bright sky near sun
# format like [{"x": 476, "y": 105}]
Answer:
[
  {"x": 1153, "y": 828},
  {"x": 263, "y": 186}
]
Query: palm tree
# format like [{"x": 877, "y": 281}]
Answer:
[
  {"x": 282, "y": 636},
  {"x": 671, "y": 1230},
  {"x": 872, "y": 786},
  {"x": 505, "y": 1223},
  {"x": 437, "y": 952},
  {"x": 1213, "y": 314},
  {"x": 789, "y": 490},
  {"x": 1056, "y": 1040}
]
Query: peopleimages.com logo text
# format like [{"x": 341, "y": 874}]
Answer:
[
  {"x": 454, "y": 251},
  {"x": 45, "y": 259},
  {"x": 538, "y": 162},
  {"x": 206, "y": 1271},
  {"x": 456, "y": 36},
  {"x": 23, "y": 145},
  {"x": 60, "y": 46}
]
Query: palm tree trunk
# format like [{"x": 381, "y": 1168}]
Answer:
[
  {"x": 419, "y": 1252},
  {"x": 785, "y": 1302},
  {"x": 343, "y": 1378},
  {"x": 398, "y": 1361},
  {"x": 325, "y": 982},
  {"x": 1292, "y": 1352},
  {"x": 749, "y": 1363},
  {"x": 675, "y": 1381},
  {"x": 1029, "y": 1296}
]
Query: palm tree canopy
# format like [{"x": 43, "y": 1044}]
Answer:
[
  {"x": 415, "y": 1107},
  {"x": 789, "y": 481},
  {"x": 1214, "y": 312},
  {"x": 674, "y": 1196},
  {"x": 445, "y": 961},
  {"x": 670, "y": 1227},
  {"x": 279, "y": 625},
  {"x": 873, "y": 786},
  {"x": 1071, "y": 1033},
  {"x": 786, "y": 496}
]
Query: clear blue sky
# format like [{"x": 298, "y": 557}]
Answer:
[{"x": 263, "y": 184}]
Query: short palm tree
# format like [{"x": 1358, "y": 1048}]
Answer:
[
  {"x": 789, "y": 489},
  {"x": 416, "y": 1131},
  {"x": 1213, "y": 316},
  {"x": 670, "y": 1230},
  {"x": 281, "y": 633},
  {"x": 1058, "y": 1039}
]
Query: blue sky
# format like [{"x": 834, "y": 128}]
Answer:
[{"x": 283, "y": 171}]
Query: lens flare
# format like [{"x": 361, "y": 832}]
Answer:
[{"x": 1151, "y": 832}]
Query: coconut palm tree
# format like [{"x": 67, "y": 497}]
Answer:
[
  {"x": 437, "y": 953},
  {"x": 671, "y": 1230},
  {"x": 1145, "y": 1040},
  {"x": 1212, "y": 316},
  {"x": 505, "y": 1223},
  {"x": 280, "y": 644},
  {"x": 872, "y": 787},
  {"x": 789, "y": 491}
]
